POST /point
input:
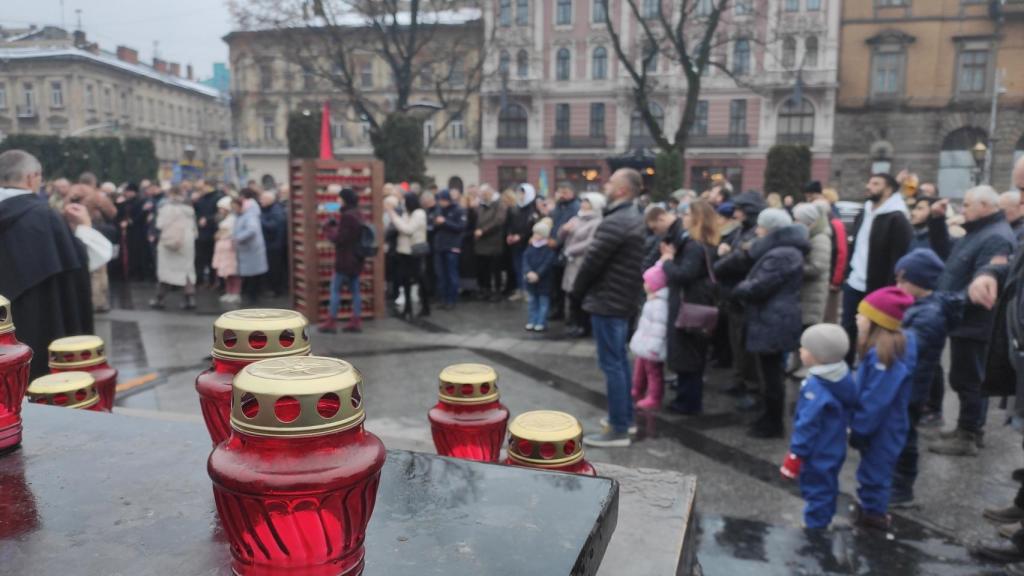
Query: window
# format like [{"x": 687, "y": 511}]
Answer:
[
  {"x": 505, "y": 12},
  {"x": 108, "y": 99},
  {"x": 29, "y": 99},
  {"x": 140, "y": 112},
  {"x": 811, "y": 52},
  {"x": 650, "y": 58},
  {"x": 428, "y": 133},
  {"x": 973, "y": 72},
  {"x": 458, "y": 72},
  {"x": 563, "y": 13},
  {"x": 511, "y": 176},
  {"x": 743, "y": 7},
  {"x": 56, "y": 95},
  {"x": 427, "y": 76},
  {"x": 886, "y": 3},
  {"x": 813, "y": 5},
  {"x": 522, "y": 64},
  {"x": 90, "y": 97},
  {"x": 599, "y": 63},
  {"x": 704, "y": 7},
  {"x": 152, "y": 112},
  {"x": 3, "y": 97},
  {"x": 504, "y": 61},
  {"x": 651, "y": 8},
  {"x": 561, "y": 119},
  {"x": 366, "y": 74},
  {"x": 364, "y": 126},
  {"x": 741, "y": 57},
  {"x": 124, "y": 104},
  {"x": 599, "y": 12},
  {"x": 796, "y": 123},
  {"x": 337, "y": 130},
  {"x": 792, "y": 5},
  {"x": 457, "y": 129},
  {"x": 512, "y": 127},
  {"x": 639, "y": 132},
  {"x": 266, "y": 77},
  {"x": 523, "y": 12},
  {"x": 597, "y": 119},
  {"x": 700, "y": 119},
  {"x": 269, "y": 129},
  {"x": 738, "y": 117},
  {"x": 308, "y": 80},
  {"x": 562, "y": 64},
  {"x": 887, "y": 72},
  {"x": 789, "y": 52}
]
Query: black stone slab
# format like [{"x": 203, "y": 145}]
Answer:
[{"x": 92, "y": 493}]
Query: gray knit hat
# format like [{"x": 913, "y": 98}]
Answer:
[
  {"x": 828, "y": 343},
  {"x": 772, "y": 218}
]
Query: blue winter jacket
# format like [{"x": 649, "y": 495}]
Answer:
[
  {"x": 539, "y": 259},
  {"x": 883, "y": 398},
  {"x": 823, "y": 414},
  {"x": 448, "y": 236},
  {"x": 931, "y": 318}
]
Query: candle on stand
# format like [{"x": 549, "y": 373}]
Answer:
[
  {"x": 469, "y": 420},
  {"x": 548, "y": 440},
  {"x": 85, "y": 353},
  {"x": 15, "y": 363}
]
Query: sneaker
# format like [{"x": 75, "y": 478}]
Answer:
[
  {"x": 529, "y": 327},
  {"x": 873, "y": 521},
  {"x": 930, "y": 420},
  {"x": 607, "y": 440},
  {"x": 1009, "y": 515},
  {"x": 606, "y": 428},
  {"x": 540, "y": 328},
  {"x": 1009, "y": 530},
  {"x": 962, "y": 443},
  {"x": 516, "y": 296}
]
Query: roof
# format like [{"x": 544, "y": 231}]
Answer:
[
  {"x": 107, "y": 59},
  {"x": 455, "y": 17}
]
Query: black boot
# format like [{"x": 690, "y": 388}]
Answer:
[{"x": 189, "y": 303}]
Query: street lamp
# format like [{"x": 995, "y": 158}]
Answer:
[{"x": 979, "y": 151}]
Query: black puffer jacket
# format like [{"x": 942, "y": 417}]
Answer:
[
  {"x": 687, "y": 276},
  {"x": 610, "y": 280},
  {"x": 771, "y": 291}
]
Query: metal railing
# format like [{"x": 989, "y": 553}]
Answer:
[
  {"x": 719, "y": 141},
  {"x": 512, "y": 142},
  {"x": 569, "y": 141}
]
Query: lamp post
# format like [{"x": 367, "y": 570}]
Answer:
[{"x": 979, "y": 152}]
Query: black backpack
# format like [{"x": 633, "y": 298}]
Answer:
[{"x": 367, "y": 247}]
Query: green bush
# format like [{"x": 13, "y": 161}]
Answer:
[
  {"x": 140, "y": 161},
  {"x": 399, "y": 143},
  {"x": 788, "y": 169},
  {"x": 108, "y": 158},
  {"x": 304, "y": 134},
  {"x": 668, "y": 175}
]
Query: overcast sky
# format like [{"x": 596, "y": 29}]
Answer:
[{"x": 189, "y": 31}]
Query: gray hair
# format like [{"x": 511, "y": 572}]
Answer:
[
  {"x": 984, "y": 194},
  {"x": 16, "y": 166},
  {"x": 1012, "y": 195}
]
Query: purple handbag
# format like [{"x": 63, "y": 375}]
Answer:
[{"x": 698, "y": 319}]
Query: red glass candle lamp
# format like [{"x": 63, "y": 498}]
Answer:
[
  {"x": 66, "y": 389},
  {"x": 468, "y": 421},
  {"x": 547, "y": 440},
  {"x": 241, "y": 337},
  {"x": 85, "y": 353},
  {"x": 296, "y": 481},
  {"x": 15, "y": 361}
]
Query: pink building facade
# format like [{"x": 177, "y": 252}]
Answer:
[{"x": 558, "y": 103}]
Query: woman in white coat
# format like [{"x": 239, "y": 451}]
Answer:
[{"x": 175, "y": 261}]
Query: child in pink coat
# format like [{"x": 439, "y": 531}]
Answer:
[{"x": 649, "y": 341}]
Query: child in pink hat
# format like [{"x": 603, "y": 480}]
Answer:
[{"x": 649, "y": 341}]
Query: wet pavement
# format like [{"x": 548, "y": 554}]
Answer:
[{"x": 749, "y": 518}]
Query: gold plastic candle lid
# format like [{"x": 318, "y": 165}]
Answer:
[
  {"x": 297, "y": 396},
  {"x": 67, "y": 389},
  {"x": 6, "y": 320},
  {"x": 260, "y": 333},
  {"x": 545, "y": 438},
  {"x": 468, "y": 384},
  {"x": 76, "y": 352}
]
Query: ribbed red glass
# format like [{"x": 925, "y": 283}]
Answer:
[
  {"x": 468, "y": 431},
  {"x": 581, "y": 467},
  {"x": 106, "y": 383},
  {"x": 297, "y": 506},
  {"x": 214, "y": 387},
  {"x": 15, "y": 359}
]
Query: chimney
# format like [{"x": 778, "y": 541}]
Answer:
[
  {"x": 160, "y": 65},
  {"x": 175, "y": 69},
  {"x": 188, "y": 71},
  {"x": 79, "y": 39},
  {"x": 126, "y": 54}
]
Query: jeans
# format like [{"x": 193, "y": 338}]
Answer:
[
  {"x": 446, "y": 266},
  {"x": 539, "y": 303},
  {"x": 966, "y": 371},
  {"x": 610, "y": 334},
  {"x": 352, "y": 282},
  {"x": 851, "y": 299}
]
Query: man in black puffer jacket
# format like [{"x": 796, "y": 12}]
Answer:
[{"x": 610, "y": 283}]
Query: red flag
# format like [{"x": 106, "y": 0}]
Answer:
[{"x": 326, "y": 149}]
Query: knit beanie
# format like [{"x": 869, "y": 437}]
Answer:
[
  {"x": 596, "y": 199},
  {"x": 886, "y": 307},
  {"x": 542, "y": 228},
  {"x": 806, "y": 214},
  {"x": 921, "y": 267},
  {"x": 828, "y": 343},
  {"x": 772, "y": 218},
  {"x": 654, "y": 278},
  {"x": 812, "y": 187},
  {"x": 725, "y": 209}
]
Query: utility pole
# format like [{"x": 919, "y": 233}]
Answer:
[{"x": 997, "y": 89}]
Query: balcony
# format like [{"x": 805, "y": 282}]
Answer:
[
  {"x": 27, "y": 112},
  {"x": 512, "y": 141},
  {"x": 637, "y": 141},
  {"x": 568, "y": 141},
  {"x": 802, "y": 139},
  {"x": 719, "y": 141},
  {"x": 1010, "y": 9}
]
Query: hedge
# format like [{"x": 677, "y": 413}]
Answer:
[
  {"x": 788, "y": 169},
  {"x": 109, "y": 158}
]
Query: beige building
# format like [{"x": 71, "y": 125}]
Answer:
[
  {"x": 266, "y": 86},
  {"x": 56, "y": 83}
]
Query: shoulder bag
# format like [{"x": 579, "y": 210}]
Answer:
[{"x": 698, "y": 319}]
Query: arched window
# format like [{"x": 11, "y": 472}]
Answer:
[
  {"x": 639, "y": 132},
  {"x": 741, "y": 57},
  {"x": 512, "y": 127},
  {"x": 796, "y": 123},
  {"x": 789, "y": 52},
  {"x": 650, "y": 56},
  {"x": 599, "y": 63},
  {"x": 505, "y": 12},
  {"x": 504, "y": 61},
  {"x": 562, "y": 64},
  {"x": 811, "y": 52},
  {"x": 522, "y": 64},
  {"x": 956, "y": 163}
]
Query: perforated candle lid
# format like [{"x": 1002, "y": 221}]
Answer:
[
  {"x": 76, "y": 352},
  {"x": 258, "y": 333},
  {"x": 297, "y": 396},
  {"x": 545, "y": 438},
  {"x": 6, "y": 321},
  {"x": 468, "y": 384},
  {"x": 68, "y": 389}
]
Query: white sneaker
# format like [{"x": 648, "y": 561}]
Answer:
[
  {"x": 605, "y": 427},
  {"x": 529, "y": 327}
]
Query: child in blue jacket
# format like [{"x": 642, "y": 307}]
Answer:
[
  {"x": 931, "y": 317},
  {"x": 828, "y": 397},
  {"x": 888, "y": 355},
  {"x": 538, "y": 261}
]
